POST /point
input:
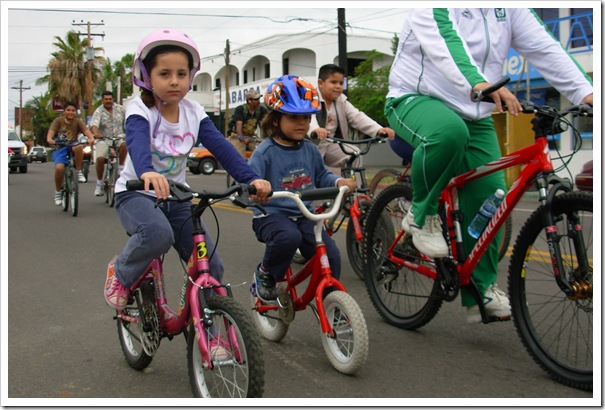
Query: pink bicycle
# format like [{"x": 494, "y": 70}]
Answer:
[{"x": 224, "y": 353}]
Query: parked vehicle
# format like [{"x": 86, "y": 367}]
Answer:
[
  {"x": 584, "y": 178},
  {"x": 19, "y": 157},
  {"x": 37, "y": 154},
  {"x": 201, "y": 161}
]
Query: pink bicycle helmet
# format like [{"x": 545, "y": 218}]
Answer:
[
  {"x": 292, "y": 95},
  {"x": 159, "y": 38}
]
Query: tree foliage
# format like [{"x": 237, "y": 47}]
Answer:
[
  {"x": 118, "y": 73},
  {"x": 70, "y": 76},
  {"x": 369, "y": 87},
  {"x": 43, "y": 116}
]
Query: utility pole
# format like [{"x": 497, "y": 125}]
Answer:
[
  {"x": 342, "y": 46},
  {"x": 21, "y": 88},
  {"x": 227, "y": 52},
  {"x": 90, "y": 55}
]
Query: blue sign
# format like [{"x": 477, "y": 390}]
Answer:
[{"x": 513, "y": 67}]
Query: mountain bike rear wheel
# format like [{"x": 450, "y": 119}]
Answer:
[
  {"x": 237, "y": 356},
  {"x": 383, "y": 179},
  {"x": 556, "y": 329},
  {"x": 402, "y": 296}
]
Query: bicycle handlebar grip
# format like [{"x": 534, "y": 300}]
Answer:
[
  {"x": 135, "y": 185},
  {"x": 319, "y": 193},
  {"x": 482, "y": 94}
]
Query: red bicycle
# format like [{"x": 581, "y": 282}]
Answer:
[
  {"x": 550, "y": 271},
  {"x": 223, "y": 348},
  {"x": 356, "y": 206},
  {"x": 343, "y": 327},
  {"x": 386, "y": 177}
]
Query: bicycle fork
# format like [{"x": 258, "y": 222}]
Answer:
[{"x": 577, "y": 289}]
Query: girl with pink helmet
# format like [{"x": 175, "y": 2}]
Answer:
[{"x": 162, "y": 127}]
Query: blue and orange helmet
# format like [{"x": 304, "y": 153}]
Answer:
[{"x": 293, "y": 95}]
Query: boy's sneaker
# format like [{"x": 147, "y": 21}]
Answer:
[
  {"x": 116, "y": 295},
  {"x": 265, "y": 286},
  {"x": 58, "y": 198},
  {"x": 429, "y": 238},
  {"x": 99, "y": 189},
  {"x": 496, "y": 304},
  {"x": 81, "y": 176}
]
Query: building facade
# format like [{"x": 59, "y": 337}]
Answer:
[{"x": 256, "y": 65}]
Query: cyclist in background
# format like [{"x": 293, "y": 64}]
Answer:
[
  {"x": 107, "y": 121},
  {"x": 247, "y": 118},
  {"x": 69, "y": 126},
  {"x": 337, "y": 114},
  {"x": 444, "y": 55},
  {"x": 292, "y": 163}
]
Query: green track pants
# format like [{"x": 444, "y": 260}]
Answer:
[{"x": 446, "y": 146}]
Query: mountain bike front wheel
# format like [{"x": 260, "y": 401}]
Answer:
[
  {"x": 238, "y": 368},
  {"x": 73, "y": 192},
  {"x": 556, "y": 329}
]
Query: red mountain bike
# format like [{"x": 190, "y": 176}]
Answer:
[{"x": 550, "y": 272}]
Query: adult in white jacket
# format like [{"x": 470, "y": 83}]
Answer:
[
  {"x": 443, "y": 56},
  {"x": 337, "y": 115}
]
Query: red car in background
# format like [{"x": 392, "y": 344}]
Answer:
[{"x": 584, "y": 178}]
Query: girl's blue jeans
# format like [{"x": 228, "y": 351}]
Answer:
[{"x": 153, "y": 230}]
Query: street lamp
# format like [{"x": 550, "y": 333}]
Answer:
[{"x": 219, "y": 105}]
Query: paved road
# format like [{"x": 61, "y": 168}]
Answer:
[{"x": 62, "y": 341}]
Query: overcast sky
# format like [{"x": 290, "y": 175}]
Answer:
[{"x": 29, "y": 28}]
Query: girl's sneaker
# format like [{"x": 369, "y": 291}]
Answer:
[{"x": 116, "y": 295}]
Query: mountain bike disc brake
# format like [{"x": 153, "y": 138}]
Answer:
[
  {"x": 151, "y": 320},
  {"x": 286, "y": 307}
]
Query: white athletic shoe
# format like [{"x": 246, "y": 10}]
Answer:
[
  {"x": 429, "y": 238},
  {"x": 496, "y": 304}
]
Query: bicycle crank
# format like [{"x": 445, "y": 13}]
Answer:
[
  {"x": 449, "y": 281},
  {"x": 286, "y": 307}
]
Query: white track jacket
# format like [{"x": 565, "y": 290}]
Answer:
[{"x": 443, "y": 53}]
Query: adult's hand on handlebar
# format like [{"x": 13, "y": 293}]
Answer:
[
  {"x": 502, "y": 97},
  {"x": 159, "y": 183},
  {"x": 587, "y": 99}
]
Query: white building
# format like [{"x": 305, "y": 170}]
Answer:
[{"x": 258, "y": 65}]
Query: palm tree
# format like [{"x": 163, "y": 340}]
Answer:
[
  {"x": 69, "y": 76},
  {"x": 43, "y": 116},
  {"x": 116, "y": 74},
  {"x": 123, "y": 70}
]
